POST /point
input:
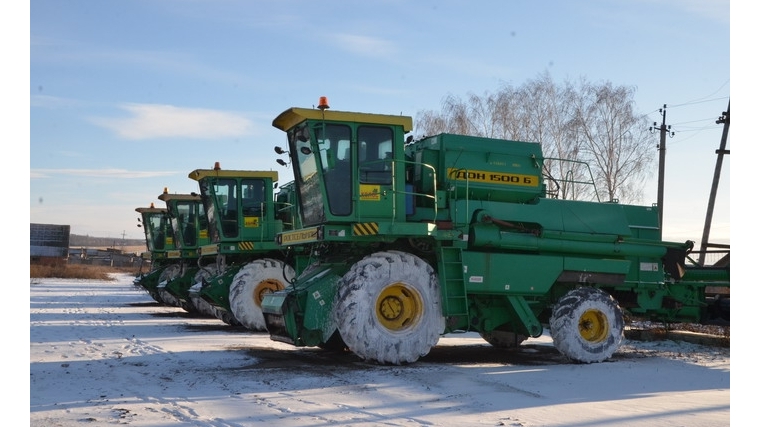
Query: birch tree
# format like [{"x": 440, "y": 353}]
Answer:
[{"x": 592, "y": 126}]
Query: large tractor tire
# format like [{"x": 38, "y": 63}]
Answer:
[
  {"x": 170, "y": 273},
  {"x": 200, "y": 305},
  {"x": 587, "y": 325},
  {"x": 388, "y": 308},
  {"x": 249, "y": 286}
]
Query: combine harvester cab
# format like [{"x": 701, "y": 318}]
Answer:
[
  {"x": 414, "y": 239},
  {"x": 159, "y": 241},
  {"x": 242, "y": 262},
  {"x": 190, "y": 228}
]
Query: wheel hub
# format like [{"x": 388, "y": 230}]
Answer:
[
  {"x": 264, "y": 287},
  {"x": 398, "y": 307},
  {"x": 593, "y": 326}
]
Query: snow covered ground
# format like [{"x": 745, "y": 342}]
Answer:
[{"x": 104, "y": 353}]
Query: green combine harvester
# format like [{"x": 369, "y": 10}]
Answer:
[
  {"x": 190, "y": 228},
  {"x": 159, "y": 241},
  {"x": 410, "y": 240},
  {"x": 242, "y": 262}
]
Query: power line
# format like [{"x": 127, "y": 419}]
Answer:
[
  {"x": 698, "y": 102},
  {"x": 711, "y": 120},
  {"x": 693, "y": 130},
  {"x": 702, "y": 100}
]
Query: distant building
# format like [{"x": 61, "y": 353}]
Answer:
[
  {"x": 99, "y": 256},
  {"x": 48, "y": 243}
]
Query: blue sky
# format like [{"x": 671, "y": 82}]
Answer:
[{"x": 128, "y": 97}]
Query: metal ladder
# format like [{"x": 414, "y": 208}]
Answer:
[{"x": 453, "y": 288}]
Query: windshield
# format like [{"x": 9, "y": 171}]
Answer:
[
  {"x": 207, "y": 197},
  {"x": 155, "y": 227},
  {"x": 333, "y": 145},
  {"x": 184, "y": 225},
  {"x": 189, "y": 223},
  {"x": 232, "y": 200},
  {"x": 225, "y": 193},
  {"x": 299, "y": 142}
]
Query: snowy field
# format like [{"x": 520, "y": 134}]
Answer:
[{"x": 107, "y": 354}]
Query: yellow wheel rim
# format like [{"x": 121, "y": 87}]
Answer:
[
  {"x": 264, "y": 287},
  {"x": 593, "y": 326},
  {"x": 399, "y": 307}
]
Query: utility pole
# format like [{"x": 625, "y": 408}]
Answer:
[
  {"x": 725, "y": 119},
  {"x": 664, "y": 130}
]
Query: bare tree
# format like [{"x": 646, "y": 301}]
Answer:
[
  {"x": 592, "y": 127},
  {"x": 616, "y": 141},
  {"x": 453, "y": 118},
  {"x": 551, "y": 113},
  {"x": 509, "y": 114}
]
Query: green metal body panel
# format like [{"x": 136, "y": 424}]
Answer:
[
  {"x": 180, "y": 286},
  {"x": 149, "y": 281},
  {"x": 715, "y": 276},
  {"x": 216, "y": 290},
  {"x": 497, "y": 273},
  {"x": 298, "y": 312},
  {"x": 530, "y": 275}
]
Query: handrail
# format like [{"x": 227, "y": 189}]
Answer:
[{"x": 570, "y": 175}]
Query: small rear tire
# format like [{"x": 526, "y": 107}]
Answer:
[{"x": 587, "y": 325}]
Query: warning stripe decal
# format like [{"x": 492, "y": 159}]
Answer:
[{"x": 365, "y": 229}]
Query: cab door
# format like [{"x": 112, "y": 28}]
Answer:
[{"x": 375, "y": 169}]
